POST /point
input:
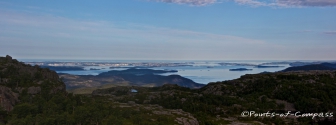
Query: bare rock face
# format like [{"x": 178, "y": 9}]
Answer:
[
  {"x": 34, "y": 90},
  {"x": 186, "y": 121},
  {"x": 57, "y": 89},
  {"x": 8, "y": 98}
]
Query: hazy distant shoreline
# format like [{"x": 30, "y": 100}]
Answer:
[{"x": 199, "y": 71}]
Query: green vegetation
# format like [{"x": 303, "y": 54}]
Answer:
[
  {"x": 71, "y": 109},
  {"x": 42, "y": 99},
  {"x": 89, "y": 90},
  {"x": 33, "y": 95},
  {"x": 222, "y": 102}
]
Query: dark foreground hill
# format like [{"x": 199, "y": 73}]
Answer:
[
  {"x": 223, "y": 102},
  {"x": 18, "y": 82},
  {"x": 30, "y": 95},
  {"x": 38, "y": 97}
]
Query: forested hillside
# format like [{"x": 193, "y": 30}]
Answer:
[
  {"x": 33, "y": 95},
  {"x": 223, "y": 102}
]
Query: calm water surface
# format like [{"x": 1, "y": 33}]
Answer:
[{"x": 200, "y": 72}]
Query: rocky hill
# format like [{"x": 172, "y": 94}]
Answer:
[
  {"x": 30, "y": 95},
  {"x": 223, "y": 102},
  {"x": 35, "y": 96},
  {"x": 18, "y": 80}
]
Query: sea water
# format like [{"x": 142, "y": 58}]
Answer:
[
  {"x": 199, "y": 72},
  {"x": 212, "y": 73}
]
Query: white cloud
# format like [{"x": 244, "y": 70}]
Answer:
[
  {"x": 190, "y": 2},
  {"x": 257, "y": 3},
  {"x": 287, "y": 3},
  {"x": 307, "y": 2},
  {"x": 254, "y": 3},
  {"x": 330, "y": 32},
  {"x": 46, "y": 36},
  {"x": 27, "y": 35}
]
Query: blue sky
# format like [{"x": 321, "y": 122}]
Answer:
[{"x": 169, "y": 29}]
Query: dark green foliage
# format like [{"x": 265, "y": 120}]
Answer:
[
  {"x": 308, "y": 91},
  {"x": 311, "y": 92},
  {"x": 63, "y": 109},
  {"x": 51, "y": 105}
]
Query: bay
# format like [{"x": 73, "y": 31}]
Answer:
[{"x": 200, "y": 72}]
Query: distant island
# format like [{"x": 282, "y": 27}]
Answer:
[
  {"x": 133, "y": 67},
  {"x": 64, "y": 68},
  {"x": 277, "y": 63},
  {"x": 262, "y": 66},
  {"x": 136, "y": 71},
  {"x": 132, "y": 76},
  {"x": 94, "y": 69},
  {"x": 240, "y": 69},
  {"x": 298, "y": 63},
  {"x": 236, "y": 64}
]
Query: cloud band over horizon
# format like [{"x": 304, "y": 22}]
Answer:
[
  {"x": 114, "y": 30},
  {"x": 256, "y": 3},
  {"x": 189, "y": 2}
]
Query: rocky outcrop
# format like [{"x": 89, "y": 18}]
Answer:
[
  {"x": 34, "y": 90},
  {"x": 57, "y": 89},
  {"x": 186, "y": 121},
  {"x": 8, "y": 98},
  {"x": 9, "y": 58},
  {"x": 3, "y": 80},
  {"x": 184, "y": 118},
  {"x": 17, "y": 78},
  {"x": 9, "y": 65}
]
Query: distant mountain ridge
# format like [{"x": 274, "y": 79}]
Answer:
[
  {"x": 299, "y": 63},
  {"x": 64, "y": 68},
  {"x": 322, "y": 66},
  {"x": 135, "y": 71},
  {"x": 132, "y": 76}
]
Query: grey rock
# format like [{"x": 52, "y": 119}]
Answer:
[
  {"x": 186, "y": 121},
  {"x": 8, "y": 98},
  {"x": 131, "y": 102},
  {"x": 8, "y": 57},
  {"x": 34, "y": 90},
  {"x": 60, "y": 88}
]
